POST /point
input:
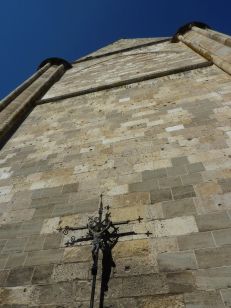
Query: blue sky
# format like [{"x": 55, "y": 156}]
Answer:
[{"x": 32, "y": 30}]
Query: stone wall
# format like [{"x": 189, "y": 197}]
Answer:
[{"x": 159, "y": 149}]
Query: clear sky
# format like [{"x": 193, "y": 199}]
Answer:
[{"x": 32, "y": 30}]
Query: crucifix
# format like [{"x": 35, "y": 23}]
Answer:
[{"x": 103, "y": 234}]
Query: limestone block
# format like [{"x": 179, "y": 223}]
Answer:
[
  {"x": 57, "y": 294},
  {"x": 166, "y": 301},
  {"x": 50, "y": 225},
  {"x": 159, "y": 195},
  {"x": 154, "y": 211},
  {"x": 195, "y": 167},
  {"x": 131, "y": 248},
  {"x": 82, "y": 290},
  {"x": 222, "y": 237},
  {"x": 42, "y": 274},
  {"x": 15, "y": 245},
  {"x": 29, "y": 228},
  {"x": 158, "y": 173},
  {"x": 5, "y": 173},
  {"x": 127, "y": 213},
  {"x": 41, "y": 257},
  {"x": 133, "y": 266},
  {"x": 16, "y": 260},
  {"x": 118, "y": 190},
  {"x": 213, "y": 278},
  {"x": 183, "y": 207},
  {"x": 211, "y": 299},
  {"x": 19, "y": 276},
  {"x": 181, "y": 282},
  {"x": 75, "y": 220},
  {"x": 176, "y": 261},
  {"x": 129, "y": 178},
  {"x": 177, "y": 170},
  {"x": 153, "y": 284},
  {"x": 185, "y": 191},
  {"x": 193, "y": 178},
  {"x": 213, "y": 221},
  {"x": 18, "y": 295},
  {"x": 213, "y": 257},
  {"x": 16, "y": 216},
  {"x": 170, "y": 182},
  {"x": 196, "y": 241},
  {"x": 131, "y": 199},
  {"x": 71, "y": 271},
  {"x": 34, "y": 242},
  {"x": 174, "y": 226},
  {"x": 77, "y": 254},
  {"x": 206, "y": 190},
  {"x": 52, "y": 241}
]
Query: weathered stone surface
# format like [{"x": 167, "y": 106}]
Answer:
[
  {"x": 57, "y": 294},
  {"x": 183, "y": 207},
  {"x": 195, "y": 241},
  {"x": 193, "y": 178},
  {"x": 44, "y": 257},
  {"x": 163, "y": 302},
  {"x": 222, "y": 237},
  {"x": 213, "y": 257},
  {"x": 181, "y": 192},
  {"x": 203, "y": 299},
  {"x": 131, "y": 248},
  {"x": 30, "y": 228},
  {"x": 126, "y": 213},
  {"x": 177, "y": 261},
  {"x": 77, "y": 254},
  {"x": 213, "y": 278},
  {"x": 159, "y": 195},
  {"x": 35, "y": 242},
  {"x": 42, "y": 274},
  {"x": 18, "y": 295},
  {"x": 131, "y": 199},
  {"x": 52, "y": 241},
  {"x": 17, "y": 216},
  {"x": 181, "y": 282},
  {"x": 196, "y": 167},
  {"x": 145, "y": 285},
  {"x": 71, "y": 271},
  {"x": 15, "y": 245},
  {"x": 213, "y": 221},
  {"x": 176, "y": 170},
  {"x": 179, "y": 161},
  {"x": 151, "y": 174},
  {"x": 134, "y": 265},
  {"x": 175, "y": 226},
  {"x": 20, "y": 276},
  {"x": 50, "y": 225},
  {"x": 16, "y": 260}
]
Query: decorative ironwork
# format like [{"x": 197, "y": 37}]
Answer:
[{"x": 104, "y": 234}]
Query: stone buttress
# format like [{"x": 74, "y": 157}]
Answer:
[{"x": 146, "y": 122}]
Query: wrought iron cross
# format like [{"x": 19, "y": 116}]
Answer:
[{"x": 104, "y": 235}]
